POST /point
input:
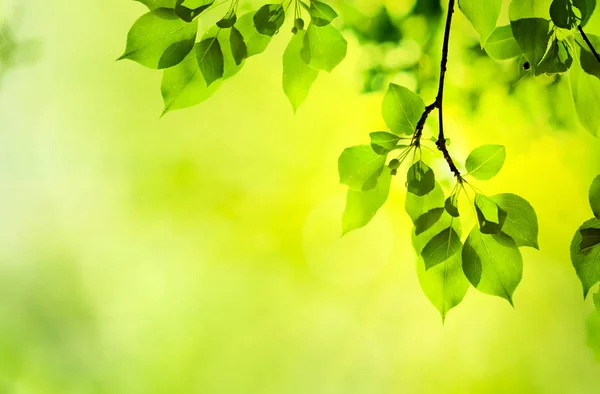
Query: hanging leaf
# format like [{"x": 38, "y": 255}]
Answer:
[
  {"x": 383, "y": 143},
  {"x": 521, "y": 222},
  {"x": 586, "y": 8},
  {"x": 324, "y": 47},
  {"x": 227, "y": 22},
  {"x": 492, "y": 263},
  {"x": 297, "y": 76},
  {"x": 483, "y": 15},
  {"x": 402, "y": 109},
  {"x": 269, "y": 19},
  {"x": 359, "y": 167},
  {"x": 427, "y": 220},
  {"x": 154, "y": 4},
  {"x": 597, "y": 301},
  {"x": 585, "y": 89},
  {"x": 255, "y": 42},
  {"x": 420, "y": 179},
  {"x": 441, "y": 247},
  {"x": 320, "y": 13},
  {"x": 450, "y": 206},
  {"x": 361, "y": 206},
  {"x": 594, "y": 196},
  {"x": 532, "y": 35},
  {"x": 238, "y": 46},
  {"x": 416, "y": 205},
  {"x": 188, "y": 10},
  {"x": 588, "y": 60},
  {"x": 210, "y": 59},
  {"x": 556, "y": 60},
  {"x": 445, "y": 285},
  {"x": 586, "y": 261},
  {"x": 490, "y": 216},
  {"x": 485, "y": 162},
  {"x": 590, "y": 237},
  {"x": 561, "y": 12},
  {"x": 160, "y": 39},
  {"x": 501, "y": 45}
]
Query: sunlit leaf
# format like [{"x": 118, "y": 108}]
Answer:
[
  {"x": 585, "y": 89},
  {"x": 321, "y": 14},
  {"x": 590, "y": 238},
  {"x": 297, "y": 76},
  {"x": 420, "y": 179},
  {"x": 597, "y": 301},
  {"x": 255, "y": 42},
  {"x": 361, "y": 206},
  {"x": 160, "y": 39},
  {"x": 485, "y": 162},
  {"x": 324, "y": 47},
  {"x": 359, "y": 167},
  {"x": 416, "y": 205},
  {"x": 427, "y": 220},
  {"x": 587, "y": 262},
  {"x": 441, "y": 247},
  {"x": 521, "y": 222},
  {"x": 402, "y": 109},
  {"x": 483, "y": 15},
  {"x": 154, "y": 4},
  {"x": 492, "y": 263},
  {"x": 501, "y": 45},
  {"x": 490, "y": 216},
  {"x": 382, "y": 142}
]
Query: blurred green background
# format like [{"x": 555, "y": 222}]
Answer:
[{"x": 201, "y": 252}]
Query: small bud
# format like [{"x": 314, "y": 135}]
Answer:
[
  {"x": 294, "y": 30},
  {"x": 299, "y": 24},
  {"x": 394, "y": 172},
  {"x": 394, "y": 164}
]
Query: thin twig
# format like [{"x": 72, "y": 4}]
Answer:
[{"x": 589, "y": 43}]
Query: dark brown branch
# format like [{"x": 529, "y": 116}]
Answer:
[
  {"x": 439, "y": 101},
  {"x": 589, "y": 43}
]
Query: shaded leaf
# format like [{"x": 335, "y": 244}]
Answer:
[
  {"x": 450, "y": 206},
  {"x": 383, "y": 143},
  {"x": 255, "y": 42},
  {"x": 238, "y": 46},
  {"x": 590, "y": 237},
  {"x": 324, "y": 47},
  {"x": 420, "y": 179},
  {"x": 321, "y": 14},
  {"x": 585, "y": 89},
  {"x": 597, "y": 301},
  {"x": 482, "y": 14},
  {"x": 485, "y": 162},
  {"x": 427, "y": 220},
  {"x": 532, "y": 35},
  {"x": 594, "y": 196},
  {"x": 492, "y": 263},
  {"x": 269, "y": 19},
  {"x": 402, "y": 109},
  {"x": 441, "y": 247},
  {"x": 188, "y": 10},
  {"x": 490, "y": 216},
  {"x": 521, "y": 220},
  {"x": 210, "y": 59},
  {"x": 556, "y": 60},
  {"x": 416, "y": 205},
  {"x": 561, "y": 12},
  {"x": 359, "y": 167},
  {"x": 587, "y": 263}
]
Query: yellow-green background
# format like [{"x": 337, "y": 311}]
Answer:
[{"x": 200, "y": 252}]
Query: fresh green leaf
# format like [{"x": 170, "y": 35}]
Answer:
[
  {"x": 188, "y": 10},
  {"x": 561, "y": 12},
  {"x": 521, "y": 221},
  {"x": 588, "y": 60},
  {"x": 154, "y": 4},
  {"x": 420, "y": 179},
  {"x": 594, "y": 196},
  {"x": 255, "y": 42},
  {"x": 586, "y": 8},
  {"x": 269, "y": 19},
  {"x": 556, "y": 60},
  {"x": 227, "y": 22},
  {"x": 586, "y": 263},
  {"x": 501, "y": 45},
  {"x": 238, "y": 46},
  {"x": 383, "y": 142},
  {"x": 532, "y": 35},
  {"x": 441, "y": 247},
  {"x": 321, "y": 14},
  {"x": 492, "y": 263},
  {"x": 450, "y": 206},
  {"x": 490, "y": 216},
  {"x": 416, "y": 205},
  {"x": 402, "y": 109},
  {"x": 427, "y": 220},
  {"x": 483, "y": 15},
  {"x": 324, "y": 47},
  {"x": 445, "y": 285},
  {"x": 485, "y": 162},
  {"x": 522, "y": 9},
  {"x": 361, "y": 206},
  {"x": 160, "y": 39},
  {"x": 590, "y": 237},
  {"x": 210, "y": 59},
  {"x": 585, "y": 89},
  {"x": 297, "y": 76},
  {"x": 360, "y": 167}
]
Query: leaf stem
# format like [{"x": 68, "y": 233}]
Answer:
[
  {"x": 589, "y": 43},
  {"x": 439, "y": 101}
]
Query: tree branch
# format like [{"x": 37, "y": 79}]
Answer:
[
  {"x": 589, "y": 43},
  {"x": 439, "y": 101}
]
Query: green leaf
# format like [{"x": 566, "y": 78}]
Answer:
[
  {"x": 361, "y": 206},
  {"x": 522, "y": 9},
  {"x": 532, "y": 35},
  {"x": 420, "y": 179},
  {"x": 445, "y": 285},
  {"x": 588, "y": 61},
  {"x": 585, "y": 89},
  {"x": 586, "y": 263},
  {"x": 383, "y": 142},
  {"x": 483, "y": 15},
  {"x": 255, "y": 42},
  {"x": 320, "y": 13},
  {"x": 210, "y": 59},
  {"x": 441, "y": 247},
  {"x": 521, "y": 221},
  {"x": 590, "y": 237},
  {"x": 227, "y": 22},
  {"x": 501, "y": 45},
  {"x": 594, "y": 196},
  {"x": 427, "y": 220},
  {"x": 188, "y": 10},
  {"x": 490, "y": 216},
  {"x": 561, "y": 12},
  {"x": 160, "y": 39},
  {"x": 402, "y": 109},
  {"x": 586, "y": 8},
  {"x": 324, "y": 47},
  {"x": 416, "y": 206},
  {"x": 154, "y": 4},
  {"x": 238, "y": 46},
  {"x": 269, "y": 19},
  {"x": 297, "y": 76},
  {"x": 597, "y": 301},
  {"x": 450, "y": 206},
  {"x": 359, "y": 167},
  {"x": 492, "y": 263},
  {"x": 485, "y": 162},
  {"x": 556, "y": 60},
  {"x": 184, "y": 86}
]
